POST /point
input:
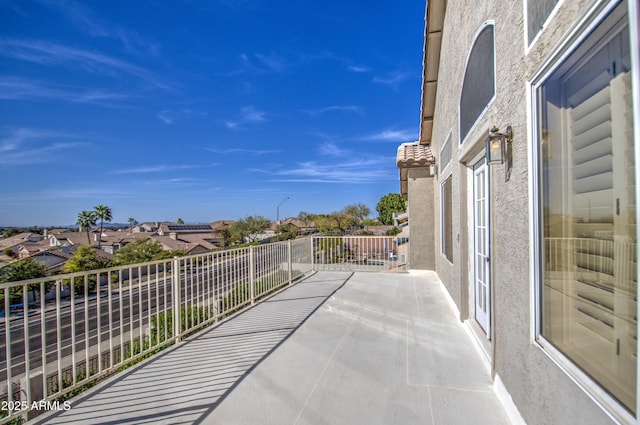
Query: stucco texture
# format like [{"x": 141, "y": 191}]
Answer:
[{"x": 540, "y": 389}]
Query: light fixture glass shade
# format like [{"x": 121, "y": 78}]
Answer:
[{"x": 495, "y": 149}]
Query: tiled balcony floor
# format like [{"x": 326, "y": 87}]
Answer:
[{"x": 337, "y": 348}]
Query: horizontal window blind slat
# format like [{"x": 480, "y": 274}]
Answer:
[
  {"x": 596, "y": 149},
  {"x": 595, "y": 117},
  {"x": 594, "y": 183},
  {"x": 597, "y": 165},
  {"x": 594, "y": 134}
]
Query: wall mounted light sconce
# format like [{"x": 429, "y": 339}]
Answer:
[
  {"x": 499, "y": 150},
  {"x": 433, "y": 169}
]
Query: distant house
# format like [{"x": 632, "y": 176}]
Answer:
[
  {"x": 303, "y": 227},
  {"x": 20, "y": 238},
  {"x": 147, "y": 227},
  {"x": 300, "y": 227},
  {"x": 71, "y": 238},
  {"x": 211, "y": 233},
  {"x": 54, "y": 260},
  {"x": 173, "y": 242},
  {"x": 27, "y": 249},
  {"x": 13, "y": 243}
]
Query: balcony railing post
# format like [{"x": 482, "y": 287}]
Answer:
[
  {"x": 7, "y": 343},
  {"x": 252, "y": 272},
  {"x": 27, "y": 365},
  {"x": 313, "y": 254},
  {"x": 176, "y": 290},
  {"x": 289, "y": 262}
]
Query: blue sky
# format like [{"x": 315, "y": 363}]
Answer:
[{"x": 203, "y": 109}]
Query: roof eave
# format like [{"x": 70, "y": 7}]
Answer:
[{"x": 434, "y": 21}]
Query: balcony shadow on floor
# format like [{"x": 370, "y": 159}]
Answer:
[{"x": 187, "y": 382}]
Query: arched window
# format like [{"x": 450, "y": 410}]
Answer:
[{"x": 479, "y": 85}]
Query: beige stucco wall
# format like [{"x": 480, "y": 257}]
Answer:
[
  {"x": 543, "y": 393},
  {"x": 421, "y": 213}
]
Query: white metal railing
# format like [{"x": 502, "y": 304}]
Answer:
[
  {"x": 600, "y": 260},
  {"x": 360, "y": 253},
  {"x": 63, "y": 332}
]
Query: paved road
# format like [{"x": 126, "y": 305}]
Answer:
[{"x": 129, "y": 316}]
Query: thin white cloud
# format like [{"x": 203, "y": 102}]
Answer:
[
  {"x": 392, "y": 135},
  {"x": 271, "y": 61},
  {"x": 86, "y": 20},
  {"x": 48, "y": 54},
  {"x": 36, "y": 146},
  {"x": 358, "y": 171},
  {"x": 358, "y": 68},
  {"x": 247, "y": 115},
  {"x": 330, "y": 149},
  {"x": 259, "y": 63},
  {"x": 15, "y": 88},
  {"x": 168, "y": 116},
  {"x": 335, "y": 108},
  {"x": 393, "y": 79},
  {"x": 57, "y": 194},
  {"x": 157, "y": 169},
  {"x": 250, "y": 114},
  {"x": 178, "y": 181},
  {"x": 229, "y": 151}
]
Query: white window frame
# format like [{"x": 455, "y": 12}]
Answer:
[
  {"x": 590, "y": 21},
  {"x": 528, "y": 46},
  {"x": 449, "y": 141},
  {"x": 463, "y": 138},
  {"x": 442, "y": 226}
]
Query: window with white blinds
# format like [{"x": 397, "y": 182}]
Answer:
[
  {"x": 446, "y": 219},
  {"x": 588, "y": 208}
]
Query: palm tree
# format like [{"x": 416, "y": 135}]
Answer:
[
  {"x": 86, "y": 219},
  {"x": 132, "y": 222},
  {"x": 102, "y": 212}
]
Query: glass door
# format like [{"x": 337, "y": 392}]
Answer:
[{"x": 482, "y": 286}]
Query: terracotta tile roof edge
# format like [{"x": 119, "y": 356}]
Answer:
[{"x": 414, "y": 155}]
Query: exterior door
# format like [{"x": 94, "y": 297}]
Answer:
[{"x": 481, "y": 266}]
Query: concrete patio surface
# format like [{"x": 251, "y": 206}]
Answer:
[{"x": 337, "y": 348}]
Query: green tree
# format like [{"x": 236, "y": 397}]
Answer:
[
  {"x": 102, "y": 212},
  {"x": 10, "y": 232},
  {"x": 164, "y": 255},
  {"x": 9, "y": 252},
  {"x": 86, "y": 219},
  {"x": 180, "y": 221},
  {"x": 139, "y": 251},
  {"x": 329, "y": 224},
  {"x": 132, "y": 222},
  {"x": 249, "y": 228},
  {"x": 224, "y": 230},
  {"x": 286, "y": 231},
  {"x": 305, "y": 218},
  {"x": 357, "y": 211},
  {"x": 389, "y": 204},
  {"x": 393, "y": 231},
  {"x": 348, "y": 220},
  {"x": 84, "y": 259},
  {"x": 23, "y": 270}
]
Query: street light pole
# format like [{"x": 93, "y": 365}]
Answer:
[{"x": 278, "y": 210}]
